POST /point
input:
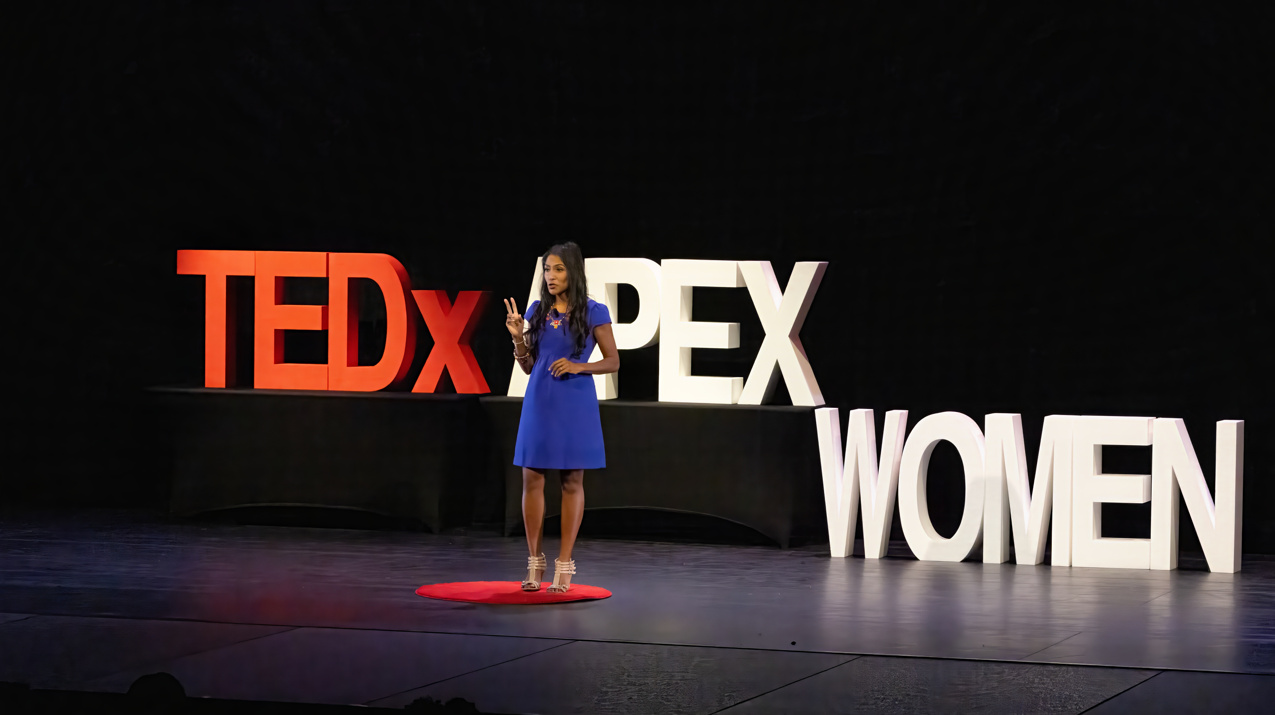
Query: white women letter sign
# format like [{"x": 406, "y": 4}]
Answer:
[
  {"x": 1069, "y": 482},
  {"x": 664, "y": 316}
]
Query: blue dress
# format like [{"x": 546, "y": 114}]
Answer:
[{"x": 560, "y": 427}]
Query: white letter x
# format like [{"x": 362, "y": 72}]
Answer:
[{"x": 782, "y": 315}]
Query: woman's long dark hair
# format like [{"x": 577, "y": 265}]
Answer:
[{"x": 577, "y": 298}]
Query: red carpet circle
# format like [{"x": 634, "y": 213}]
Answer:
[{"x": 508, "y": 592}]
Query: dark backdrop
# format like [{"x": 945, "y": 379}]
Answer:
[{"x": 1025, "y": 208}]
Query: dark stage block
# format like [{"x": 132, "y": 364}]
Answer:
[
  {"x": 756, "y": 466},
  {"x": 399, "y": 455},
  {"x": 441, "y": 459}
]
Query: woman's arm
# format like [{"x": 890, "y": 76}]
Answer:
[
  {"x": 515, "y": 323},
  {"x": 522, "y": 356},
  {"x": 609, "y": 363}
]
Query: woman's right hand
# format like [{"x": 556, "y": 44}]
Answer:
[{"x": 513, "y": 319}]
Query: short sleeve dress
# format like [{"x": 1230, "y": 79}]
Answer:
[{"x": 560, "y": 426}]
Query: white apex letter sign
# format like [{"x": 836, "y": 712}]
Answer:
[
  {"x": 680, "y": 333},
  {"x": 664, "y": 316},
  {"x": 604, "y": 276},
  {"x": 782, "y": 315},
  {"x": 1069, "y": 482}
]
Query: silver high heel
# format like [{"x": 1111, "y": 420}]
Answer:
[
  {"x": 535, "y": 572},
  {"x": 562, "y": 573}
]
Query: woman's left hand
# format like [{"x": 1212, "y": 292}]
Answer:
[{"x": 562, "y": 366}]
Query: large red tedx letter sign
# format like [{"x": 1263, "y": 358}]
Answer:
[
  {"x": 219, "y": 307},
  {"x": 272, "y": 317},
  {"x": 451, "y": 326},
  {"x": 344, "y": 372}
]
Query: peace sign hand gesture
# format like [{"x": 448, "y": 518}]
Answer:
[{"x": 513, "y": 319}]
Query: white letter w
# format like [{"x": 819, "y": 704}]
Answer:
[{"x": 846, "y": 482}]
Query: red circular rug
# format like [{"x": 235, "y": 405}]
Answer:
[{"x": 508, "y": 592}]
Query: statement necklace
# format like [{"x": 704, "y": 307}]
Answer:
[{"x": 556, "y": 323}]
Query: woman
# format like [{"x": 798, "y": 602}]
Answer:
[{"x": 560, "y": 427}]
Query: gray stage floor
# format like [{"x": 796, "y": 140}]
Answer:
[{"x": 92, "y": 600}]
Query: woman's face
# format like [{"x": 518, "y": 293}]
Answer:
[{"x": 555, "y": 276}]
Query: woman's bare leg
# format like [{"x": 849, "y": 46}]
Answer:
[
  {"x": 572, "y": 510},
  {"x": 533, "y": 508}
]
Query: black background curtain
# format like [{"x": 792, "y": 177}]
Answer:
[{"x": 1026, "y": 208}]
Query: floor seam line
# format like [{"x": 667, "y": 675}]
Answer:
[
  {"x": 1051, "y": 645},
  {"x": 471, "y": 672},
  {"x": 1122, "y": 692},
  {"x": 288, "y": 627},
  {"x": 786, "y": 685},
  {"x": 160, "y": 661}
]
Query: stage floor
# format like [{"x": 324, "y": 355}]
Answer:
[{"x": 91, "y": 600}]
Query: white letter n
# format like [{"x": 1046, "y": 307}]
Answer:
[{"x": 1220, "y": 527}]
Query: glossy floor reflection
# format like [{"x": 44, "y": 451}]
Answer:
[{"x": 91, "y": 600}]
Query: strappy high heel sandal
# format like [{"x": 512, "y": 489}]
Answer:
[
  {"x": 535, "y": 572},
  {"x": 562, "y": 572}
]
